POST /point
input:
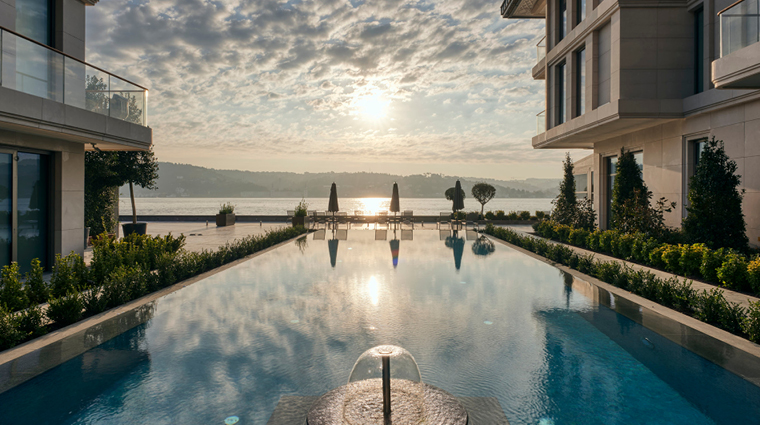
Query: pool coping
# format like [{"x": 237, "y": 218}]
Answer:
[
  {"x": 729, "y": 351},
  {"x": 32, "y": 358}
]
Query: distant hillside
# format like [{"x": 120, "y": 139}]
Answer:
[{"x": 183, "y": 180}]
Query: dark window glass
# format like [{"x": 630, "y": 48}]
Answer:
[
  {"x": 561, "y": 94},
  {"x": 562, "y": 19},
  {"x": 32, "y": 209},
  {"x": 34, "y": 19},
  {"x": 699, "y": 146},
  {"x": 6, "y": 208},
  {"x": 611, "y": 166},
  {"x": 639, "y": 157},
  {"x": 581, "y": 182},
  {"x": 581, "y": 12},
  {"x": 699, "y": 49},
  {"x": 580, "y": 82}
]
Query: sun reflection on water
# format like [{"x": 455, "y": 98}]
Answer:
[{"x": 371, "y": 206}]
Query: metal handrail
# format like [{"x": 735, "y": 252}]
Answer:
[
  {"x": 2, "y": 28},
  {"x": 504, "y": 5}
]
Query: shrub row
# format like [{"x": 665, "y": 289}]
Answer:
[
  {"x": 708, "y": 306},
  {"x": 514, "y": 215},
  {"x": 725, "y": 267},
  {"x": 120, "y": 272}
]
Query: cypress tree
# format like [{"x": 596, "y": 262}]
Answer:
[
  {"x": 629, "y": 193},
  {"x": 565, "y": 204},
  {"x": 715, "y": 215}
]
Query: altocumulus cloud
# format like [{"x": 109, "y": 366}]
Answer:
[{"x": 288, "y": 79}]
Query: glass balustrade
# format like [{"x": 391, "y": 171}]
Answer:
[
  {"x": 541, "y": 49},
  {"x": 739, "y": 26},
  {"x": 541, "y": 122},
  {"x": 35, "y": 69}
]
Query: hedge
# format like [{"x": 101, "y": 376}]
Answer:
[
  {"x": 708, "y": 306},
  {"x": 121, "y": 271},
  {"x": 725, "y": 267},
  {"x": 514, "y": 216}
]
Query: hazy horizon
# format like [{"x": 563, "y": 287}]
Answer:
[{"x": 332, "y": 85}]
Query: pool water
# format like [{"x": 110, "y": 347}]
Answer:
[{"x": 481, "y": 319}]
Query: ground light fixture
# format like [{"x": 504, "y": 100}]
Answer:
[{"x": 385, "y": 386}]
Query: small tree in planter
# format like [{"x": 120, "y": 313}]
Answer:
[
  {"x": 299, "y": 217},
  {"x": 137, "y": 168},
  {"x": 226, "y": 216},
  {"x": 483, "y": 192}
]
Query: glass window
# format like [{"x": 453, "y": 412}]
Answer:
[
  {"x": 581, "y": 11},
  {"x": 562, "y": 30},
  {"x": 580, "y": 82},
  {"x": 581, "y": 182},
  {"x": 32, "y": 209},
  {"x": 6, "y": 208},
  {"x": 699, "y": 48},
  {"x": 611, "y": 167},
  {"x": 561, "y": 94},
  {"x": 639, "y": 157},
  {"x": 34, "y": 19}
]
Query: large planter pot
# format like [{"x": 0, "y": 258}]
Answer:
[
  {"x": 298, "y": 221},
  {"x": 139, "y": 228},
  {"x": 225, "y": 220}
]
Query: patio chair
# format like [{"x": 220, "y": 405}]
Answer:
[
  {"x": 382, "y": 217},
  {"x": 445, "y": 217},
  {"x": 359, "y": 217},
  {"x": 408, "y": 217},
  {"x": 472, "y": 219},
  {"x": 291, "y": 214}
]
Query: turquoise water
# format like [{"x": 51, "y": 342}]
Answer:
[{"x": 290, "y": 323}]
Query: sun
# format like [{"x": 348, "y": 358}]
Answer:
[{"x": 372, "y": 106}]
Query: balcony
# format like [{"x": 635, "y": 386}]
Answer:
[
  {"x": 541, "y": 122},
  {"x": 539, "y": 70},
  {"x": 44, "y": 91},
  {"x": 738, "y": 66}
]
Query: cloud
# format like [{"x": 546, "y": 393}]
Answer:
[{"x": 282, "y": 79}]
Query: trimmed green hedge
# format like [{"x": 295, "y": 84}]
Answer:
[
  {"x": 121, "y": 271},
  {"x": 514, "y": 216},
  {"x": 708, "y": 306},
  {"x": 725, "y": 267}
]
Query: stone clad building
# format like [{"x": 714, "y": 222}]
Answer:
[
  {"x": 53, "y": 107},
  {"x": 654, "y": 77}
]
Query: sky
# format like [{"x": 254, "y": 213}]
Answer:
[{"x": 392, "y": 86}]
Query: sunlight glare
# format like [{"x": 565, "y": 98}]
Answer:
[
  {"x": 372, "y": 106},
  {"x": 371, "y": 206},
  {"x": 373, "y": 290}
]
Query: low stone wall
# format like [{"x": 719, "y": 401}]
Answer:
[{"x": 286, "y": 219}]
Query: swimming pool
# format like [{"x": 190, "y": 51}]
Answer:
[{"x": 481, "y": 319}]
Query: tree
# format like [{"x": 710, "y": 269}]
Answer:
[
  {"x": 100, "y": 189},
  {"x": 450, "y": 194},
  {"x": 715, "y": 215},
  {"x": 137, "y": 168},
  {"x": 625, "y": 199},
  {"x": 565, "y": 204},
  {"x": 631, "y": 210},
  {"x": 483, "y": 192}
]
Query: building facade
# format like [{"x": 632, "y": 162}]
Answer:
[
  {"x": 53, "y": 107},
  {"x": 654, "y": 77}
]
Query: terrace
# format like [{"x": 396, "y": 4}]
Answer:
[{"x": 46, "y": 92}]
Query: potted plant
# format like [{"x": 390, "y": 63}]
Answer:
[
  {"x": 300, "y": 213},
  {"x": 226, "y": 216},
  {"x": 136, "y": 168}
]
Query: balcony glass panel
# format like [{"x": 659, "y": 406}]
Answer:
[
  {"x": 739, "y": 25},
  {"x": 541, "y": 122},
  {"x": 541, "y": 50},
  {"x": 30, "y": 68},
  {"x": 35, "y": 69}
]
